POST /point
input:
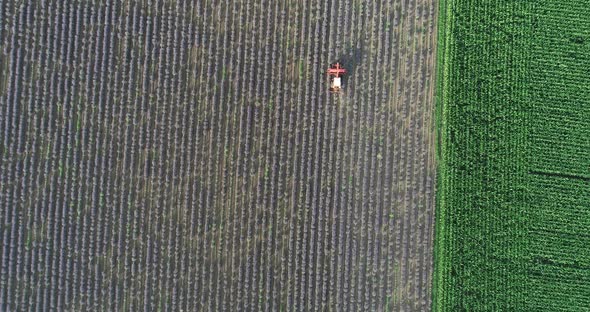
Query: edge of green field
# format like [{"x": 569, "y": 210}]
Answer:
[{"x": 439, "y": 225}]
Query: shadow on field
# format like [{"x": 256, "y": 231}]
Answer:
[{"x": 351, "y": 60}]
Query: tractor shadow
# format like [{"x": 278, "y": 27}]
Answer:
[{"x": 351, "y": 59}]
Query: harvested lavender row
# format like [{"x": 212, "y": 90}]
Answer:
[{"x": 188, "y": 156}]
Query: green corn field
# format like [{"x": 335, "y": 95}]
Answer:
[{"x": 513, "y": 116}]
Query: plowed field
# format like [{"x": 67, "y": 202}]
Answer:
[{"x": 187, "y": 156}]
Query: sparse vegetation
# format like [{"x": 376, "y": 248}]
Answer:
[{"x": 186, "y": 155}]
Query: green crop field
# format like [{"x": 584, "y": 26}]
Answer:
[
  {"x": 513, "y": 114},
  {"x": 559, "y": 159}
]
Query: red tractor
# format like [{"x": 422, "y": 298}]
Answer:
[{"x": 336, "y": 71}]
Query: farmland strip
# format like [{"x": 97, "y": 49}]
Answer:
[{"x": 188, "y": 156}]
